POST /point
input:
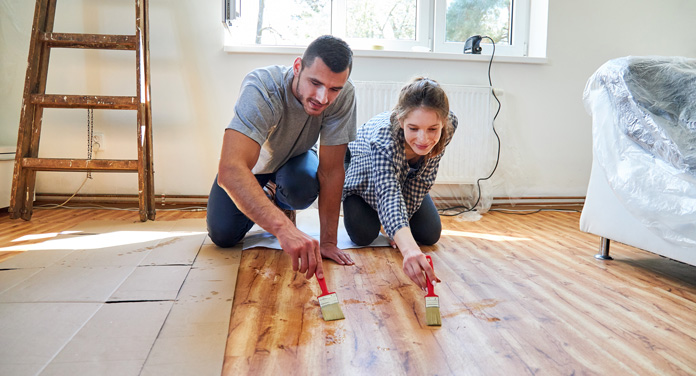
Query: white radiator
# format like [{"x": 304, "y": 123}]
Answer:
[{"x": 471, "y": 154}]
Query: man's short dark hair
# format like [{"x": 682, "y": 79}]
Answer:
[{"x": 333, "y": 51}]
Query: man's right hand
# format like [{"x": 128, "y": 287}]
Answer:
[
  {"x": 304, "y": 251},
  {"x": 239, "y": 155}
]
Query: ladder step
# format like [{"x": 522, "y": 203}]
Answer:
[
  {"x": 84, "y": 101},
  {"x": 57, "y": 164},
  {"x": 95, "y": 41}
]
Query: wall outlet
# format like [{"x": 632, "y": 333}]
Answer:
[{"x": 98, "y": 142}]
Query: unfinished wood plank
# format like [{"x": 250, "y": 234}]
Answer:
[
  {"x": 32, "y": 334},
  {"x": 115, "y": 341},
  {"x": 192, "y": 341},
  {"x": 58, "y": 283},
  {"x": 34, "y": 259},
  {"x": 12, "y": 277},
  {"x": 151, "y": 283},
  {"x": 179, "y": 248}
]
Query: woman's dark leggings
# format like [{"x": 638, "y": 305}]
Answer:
[{"x": 363, "y": 225}]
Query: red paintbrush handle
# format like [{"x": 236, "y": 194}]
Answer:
[
  {"x": 431, "y": 289},
  {"x": 322, "y": 283}
]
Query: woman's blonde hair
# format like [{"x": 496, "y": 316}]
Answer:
[{"x": 423, "y": 92}]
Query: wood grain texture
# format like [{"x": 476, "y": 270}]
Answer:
[
  {"x": 520, "y": 295},
  {"x": 48, "y": 222}
]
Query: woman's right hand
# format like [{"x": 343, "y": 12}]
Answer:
[
  {"x": 415, "y": 266},
  {"x": 418, "y": 269}
]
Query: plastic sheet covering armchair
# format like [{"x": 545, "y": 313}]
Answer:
[{"x": 642, "y": 189}]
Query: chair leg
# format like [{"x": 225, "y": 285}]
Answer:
[{"x": 603, "y": 249}]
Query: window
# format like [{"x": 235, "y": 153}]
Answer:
[{"x": 440, "y": 26}]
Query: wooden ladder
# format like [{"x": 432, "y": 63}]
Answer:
[{"x": 35, "y": 99}]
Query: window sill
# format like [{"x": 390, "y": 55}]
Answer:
[{"x": 297, "y": 51}]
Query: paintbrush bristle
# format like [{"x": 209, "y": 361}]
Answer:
[
  {"x": 432, "y": 311},
  {"x": 330, "y": 309}
]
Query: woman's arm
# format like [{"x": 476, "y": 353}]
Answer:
[{"x": 415, "y": 263}]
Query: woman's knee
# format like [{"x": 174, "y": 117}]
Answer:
[
  {"x": 427, "y": 233},
  {"x": 361, "y": 221},
  {"x": 428, "y": 238},
  {"x": 425, "y": 223},
  {"x": 361, "y": 236}
]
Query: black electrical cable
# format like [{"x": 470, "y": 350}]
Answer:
[{"x": 497, "y": 159}]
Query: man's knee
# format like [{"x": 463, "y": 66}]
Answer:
[
  {"x": 223, "y": 237},
  {"x": 298, "y": 193},
  {"x": 224, "y": 231}
]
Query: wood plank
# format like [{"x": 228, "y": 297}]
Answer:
[
  {"x": 58, "y": 164},
  {"x": 95, "y": 41},
  {"x": 520, "y": 295},
  {"x": 85, "y": 101},
  {"x": 146, "y": 182},
  {"x": 48, "y": 223},
  {"x": 30, "y": 118}
]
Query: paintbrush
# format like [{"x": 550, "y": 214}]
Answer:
[
  {"x": 432, "y": 303},
  {"x": 328, "y": 301}
]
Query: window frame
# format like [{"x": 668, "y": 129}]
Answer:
[
  {"x": 420, "y": 43},
  {"x": 430, "y": 33},
  {"x": 520, "y": 32}
]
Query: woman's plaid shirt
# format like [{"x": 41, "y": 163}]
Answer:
[{"x": 379, "y": 173}]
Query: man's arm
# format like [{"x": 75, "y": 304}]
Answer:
[
  {"x": 238, "y": 157},
  {"x": 331, "y": 175}
]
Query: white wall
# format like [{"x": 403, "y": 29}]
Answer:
[{"x": 544, "y": 128}]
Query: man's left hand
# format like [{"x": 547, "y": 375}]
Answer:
[{"x": 336, "y": 254}]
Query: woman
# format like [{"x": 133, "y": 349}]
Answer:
[{"x": 390, "y": 169}]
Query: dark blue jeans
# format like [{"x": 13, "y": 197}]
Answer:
[
  {"x": 362, "y": 222},
  {"x": 297, "y": 188}
]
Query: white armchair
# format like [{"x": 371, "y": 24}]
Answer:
[{"x": 642, "y": 189}]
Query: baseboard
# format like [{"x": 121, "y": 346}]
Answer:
[
  {"x": 538, "y": 201},
  {"x": 172, "y": 201},
  {"x": 120, "y": 200}
]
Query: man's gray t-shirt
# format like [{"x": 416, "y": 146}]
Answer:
[{"x": 268, "y": 112}]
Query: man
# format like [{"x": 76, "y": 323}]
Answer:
[{"x": 268, "y": 152}]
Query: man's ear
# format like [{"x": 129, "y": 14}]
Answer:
[{"x": 297, "y": 66}]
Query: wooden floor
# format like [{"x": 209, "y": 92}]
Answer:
[{"x": 520, "y": 295}]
